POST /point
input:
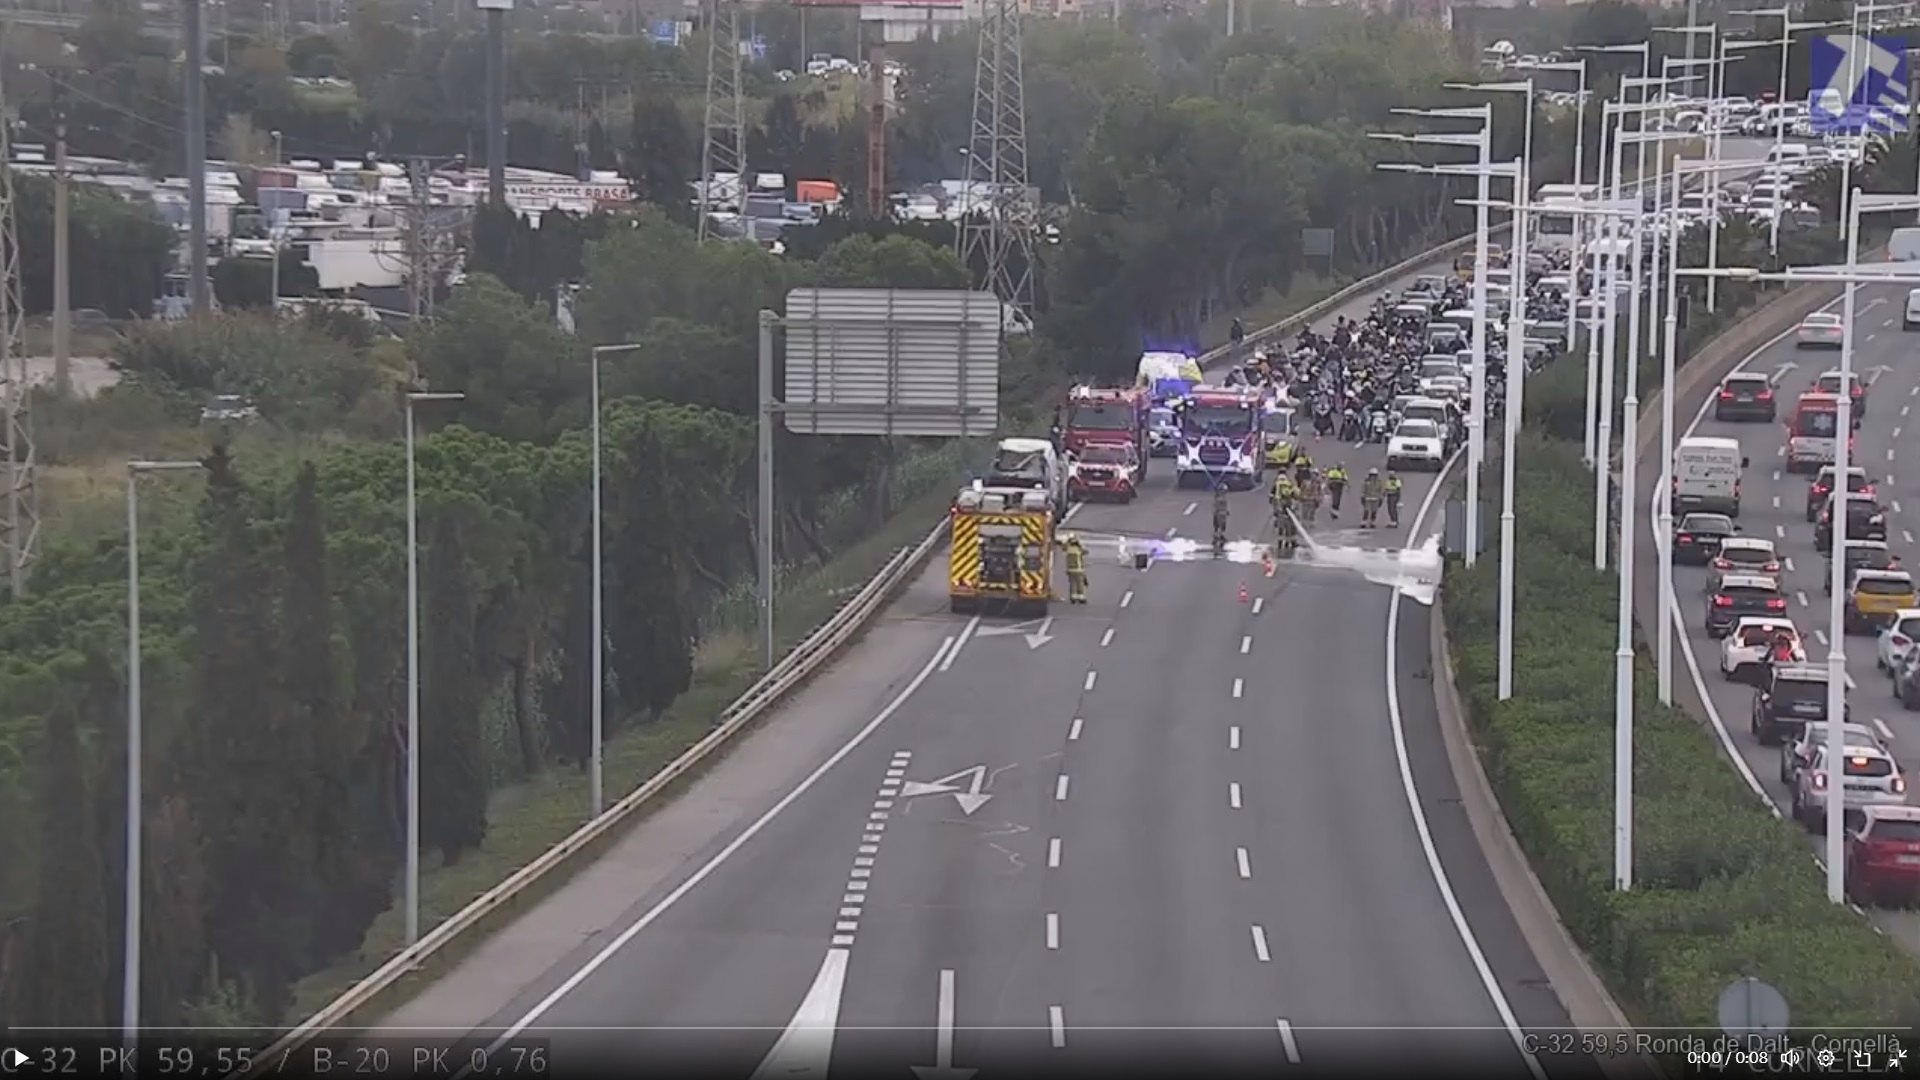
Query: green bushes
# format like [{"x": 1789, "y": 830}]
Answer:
[{"x": 1722, "y": 889}]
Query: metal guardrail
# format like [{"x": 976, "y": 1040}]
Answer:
[{"x": 792, "y": 669}]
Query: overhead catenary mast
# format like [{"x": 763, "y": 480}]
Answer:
[
  {"x": 20, "y": 518},
  {"x": 723, "y": 145},
  {"x": 996, "y": 231}
]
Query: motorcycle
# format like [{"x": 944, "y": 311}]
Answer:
[{"x": 1377, "y": 426}]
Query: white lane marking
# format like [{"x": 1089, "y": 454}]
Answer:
[
  {"x": 1233, "y": 794},
  {"x": 1880, "y": 726},
  {"x": 1106, "y": 639},
  {"x": 1071, "y": 510},
  {"x": 1189, "y": 509},
  {"x": 1091, "y": 675},
  {"x": 1243, "y": 862},
  {"x": 1053, "y": 929},
  {"x": 606, "y": 953},
  {"x": 1170, "y": 531},
  {"x": 1788, "y": 563},
  {"x": 1800, "y": 596},
  {"x": 1780, "y": 531},
  {"x": 1913, "y": 392},
  {"x": 1060, "y": 788},
  {"x": 1905, "y": 409},
  {"x": 966, "y": 635},
  {"x": 1896, "y": 506},
  {"x": 1073, "y": 733},
  {"x": 1126, "y": 598},
  {"x": 1260, "y": 944},
  {"x": 1776, "y": 502},
  {"x": 806, "y": 1046},
  {"x": 1258, "y": 603},
  {"x": 1870, "y": 338},
  {"x": 1906, "y": 535},
  {"x": 1776, "y": 476},
  {"x": 1889, "y": 453},
  {"x": 1439, "y": 872},
  {"x": 1053, "y": 854},
  {"x": 1820, "y": 636},
  {"x": 1287, "y": 1043},
  {"x": 1246, "y": 643},
  {"x": 1233, "y": 737},
  {"x": 849, "y": 913},
  {"x": 1238, "y": 685},
  {"x": 1057, "y": 1023}
]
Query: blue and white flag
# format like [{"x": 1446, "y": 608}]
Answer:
[{"x": 1859, "y": 85}]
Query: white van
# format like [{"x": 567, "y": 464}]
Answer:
[
  {"x": 1911, "y": 319},
  {"x": 1706, "y": 475}
]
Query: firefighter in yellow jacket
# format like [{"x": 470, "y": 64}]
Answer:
[{"x": 1076, "y": 568}]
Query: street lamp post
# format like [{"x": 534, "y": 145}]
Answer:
[
  {"x": 1482, "y": 142},
  {"x": 1579, "y": 187},
  {"x": 1853, "y": 80},
  {"x": 1785, "y": 44},
  {"x": 274, "y": 235},
  {"x": 597, "y": 736},
  {"x": 413, "y": 669},
  {"x": 135, "y": 867}
]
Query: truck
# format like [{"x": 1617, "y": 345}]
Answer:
[
  {"x": 1220, "y": 438},
  {"x": 1167, "y": 375},
  {"x": 1107, "y": 415},
  {"x": 1001, "y": 556},
  {"x": 1031, "y": 465}
]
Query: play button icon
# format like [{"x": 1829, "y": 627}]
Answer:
[{"x": 14, "y": 1059}]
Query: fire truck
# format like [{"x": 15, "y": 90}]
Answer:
[
  {"x": 1220, "y": 437},
  {"x": 1001, "y": 558},
  {"x": 1107, "y": 416}
]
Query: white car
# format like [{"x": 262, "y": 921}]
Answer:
[
  {"x": 1871, "y": 776},
  {"x": 1795, "y": 753},
  {"x": 1820, "y": 330},
  {"x": 1416, "y": 444},
  {"x": 1746, "y": 646},
  {"x": 1897, "y": 638},
  {"x": 1743, "y": 555}
]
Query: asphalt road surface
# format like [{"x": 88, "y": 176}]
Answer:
[
  {"x": 1773, "y": 505},
  {"x": 1172, "y": 827}
]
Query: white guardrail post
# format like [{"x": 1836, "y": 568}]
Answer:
[{"x": 790, "y": 671}]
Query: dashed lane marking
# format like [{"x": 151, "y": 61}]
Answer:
[
  {"x": 1287, "y": 1043},
  {"x": 1091, "y": 676},
  {"x": 847, "y": 921},
  {"x": 1233, "y": 794},
  {"x": 1238, "y": 686},
  {"x": 1053, "y": 930},
  {"x": 1788, "y": 563},
  {"x": 1776, "y": 502},
  {"x": 1073, "y": 732},
  {"x": 1820, "y": 636},
  {"x": 1801, "y": 597},
  {"x": 1896, "y": 506},
  {"x": 1258, "y": 603},
  {"x": 1057, "y": 1025},
  {"x": 1189, "y": 509},
  {"x": 1126, "y": 598},
  {"x": 1780, "y": 531},
  {"x": 1245, "y": 865},
  {"x": 1106, "y": 639},
  {"x": 1170, "y": 531},
  {"x": 1233, "y": 737},
  {"x": 1260, "y": 944},
  {"x": 1060, "y": 788},
  {"x": 1776, "y": 476},
  {"x": 1880, "y": 726},
  {"x": 1246, "y": 643},
  {"x": 1906, "y": 536},
  {"x": 1053, "y": 854},
  {"x": 1889, "y": 453}
]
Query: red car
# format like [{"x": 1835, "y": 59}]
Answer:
[{"x": 1883, "y": 854}]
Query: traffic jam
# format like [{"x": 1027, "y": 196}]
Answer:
[{"x": 1748, "y": 542}]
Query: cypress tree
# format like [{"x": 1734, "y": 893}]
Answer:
[
  {"x": 246, "y": 798},
  {"x": 66, "y": 966},
  {"x": 309, "y": 682},
  {"x": 567, "y": 696},
  {"x": 453, "y": 764}
]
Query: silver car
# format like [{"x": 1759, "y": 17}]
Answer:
[
  {"x": 1820, "y": 330},
  {"x": 1871, "y": 776},
  {"x": 1797, "y": 752}
]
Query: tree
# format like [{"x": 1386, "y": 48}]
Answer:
[
  {"x": 660, "y": 156},
  {"x": 246, "y": 284},
  {"x": 65, "y": 967},
  {"x": 521, "y": 374},
  {"x": 453, "y": 774},
  {"x": 121, "y": 252}
]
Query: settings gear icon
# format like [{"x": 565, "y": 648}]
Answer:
[{"x": 1826, "y": 1058}]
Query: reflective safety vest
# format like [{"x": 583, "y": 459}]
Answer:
[
  {"x": 1336, "y": 475},
  {"x": 1393, "y": 485},
  {"x": 1076, "y": 559}
]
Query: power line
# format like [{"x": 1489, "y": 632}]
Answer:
[{"x": 723, "y": 145}]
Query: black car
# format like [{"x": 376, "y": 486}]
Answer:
[
  {"x": 1865, "y": 521},
  {"x": 1870, "y": 554},
  {"x": 1822, "y": 486},
  {"x": 1788, "y": 697},
  {"x": 1696, "y": 540},
  {"x": 1746, "y": 395},
  {"x": 1740, "y": 595}
]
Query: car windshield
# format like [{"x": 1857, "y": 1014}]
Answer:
[
  {"x": 1231, "y": 421},
  {"x": 1748, "y": 592},
  {"x": 1801, "y": 692},
  {"x": 1025, "y": 464},
  {"x": 1747, "y": 382},
  {"x": 1828, "y": 384},
  {"x": 1748, "y": 556},
  {"x": 1886, "y": 587},
  {"x": 1162, "y": 418},
  {"x": 1706, "y": 523},
  {"x": 1759, "y": 635},
  {"x": 1277, "y": 423},
  {"x": 1896, "y": 830},
  {"x": 1418, "y": 429},
  {"x": 1105, "y": 454},
  {"x": 1856, "y": 479},
  {"x": 1822, "y": 322},
  {"x": 1101, "y": 416}
]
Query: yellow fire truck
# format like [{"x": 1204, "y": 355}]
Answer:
[{"x": 1002, "y": 552}]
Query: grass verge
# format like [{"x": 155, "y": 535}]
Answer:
[{"x": 1723, "y": 890}]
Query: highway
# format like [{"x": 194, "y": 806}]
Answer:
[
  {"x": 1773, "y": 507},
  {"x": 1167, "y": 828}
]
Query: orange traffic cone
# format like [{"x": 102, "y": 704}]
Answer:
[
  {"x": 1243, "y": 592},
  {"x": 1266, "y": 562}
]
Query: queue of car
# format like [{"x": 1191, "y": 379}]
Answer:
[{"x": 1745, "y": 608}]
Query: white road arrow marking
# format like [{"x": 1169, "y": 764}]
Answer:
[
  {"x": 942, "y": 1067},
  {"x": 1878, "y": 370},
  {"x": 1035, "y": 637},
  {"x": 1780, "y": 370},
  {"x": 970, "y": 799}
]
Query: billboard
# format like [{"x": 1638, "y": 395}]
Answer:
[{"x": 1859, "y": 84}]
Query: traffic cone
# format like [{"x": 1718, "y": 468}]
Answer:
[
  {"x": 1266, "y": 562},
  {"x": 1243, "y": 592}
]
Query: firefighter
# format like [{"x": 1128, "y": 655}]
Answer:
[
  {"x": 1371, "y": 492},
  {"x": 1076, "y": 569},
  {"x": 1286, "y": 532},
  {"x": 1302, "y": 464},
  {"x": 1284, "y": 493},
  {"x": 1310, "y": 495},
  {"x": 1336, "y": 487},
  {"x": 1220, "y": 516},
  {"x": 1393, "y": 499}
]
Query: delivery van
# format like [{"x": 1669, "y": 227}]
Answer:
[{"x": 1706, "y": 476}]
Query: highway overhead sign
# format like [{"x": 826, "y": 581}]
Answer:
[{"x": 892, "y": 362}]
